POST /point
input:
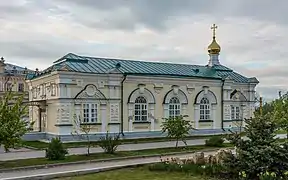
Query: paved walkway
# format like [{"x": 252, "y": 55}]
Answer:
[
  {"x": 124, "y": 147},
  {"x": 80, "y": 168},
  {"x": 83, "y": 150}
]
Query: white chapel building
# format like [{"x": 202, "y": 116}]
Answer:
[{"x": 133, "y": 97}]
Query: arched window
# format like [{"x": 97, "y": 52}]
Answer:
[
  {"x": 204, "y": 109},
  {"x": 140, "y": 109},
  {"x": 174, "y": 107}
]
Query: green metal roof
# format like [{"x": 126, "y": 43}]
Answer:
[{"x": 74, "y": 63}]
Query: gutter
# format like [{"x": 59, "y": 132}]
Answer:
[
  {"x": 122, "y": 104},
  {"x": 222, "y": 104}
]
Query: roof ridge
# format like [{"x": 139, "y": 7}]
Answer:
[{"x": 133, "y": 60}]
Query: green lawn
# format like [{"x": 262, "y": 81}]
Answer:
[
  {"x": 281, "y": 131},
  {"x": 43, "y": 145},
  {"x": 100, "y": 156},
  {"x": 136, "y": 174}
]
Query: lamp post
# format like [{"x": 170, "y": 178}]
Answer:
[{"x": 260, "y": 100}]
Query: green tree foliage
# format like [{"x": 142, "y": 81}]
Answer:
[
  {"x": 12, "y": 125},
  {"x": 56, "y": 150},
  {"x": 110, "y": 143},
  {"x": 280, "y": 112},
  {"x": 215, "y": 141},
  {"x": 177, "y": 128},
  {"x": 267, "y": 109},
  {"x": 259, "y": 152}
]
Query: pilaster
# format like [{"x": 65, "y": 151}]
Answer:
[
  {"x": 130, "y": 116},
  {"x": 152, "y": 116},
  {"x": 103, "y": 110},
  {"x": 196, "y": 116}
]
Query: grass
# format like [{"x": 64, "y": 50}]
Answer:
[
  {"x": 280, "y": 131},
  {"x": 44, "y": 145},
  {"x": 140, "y": 173},
  {"x": 95, "y": 156}
]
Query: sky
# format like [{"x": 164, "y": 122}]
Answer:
[{"x": 252, "y": 34}]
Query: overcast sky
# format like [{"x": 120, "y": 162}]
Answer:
[{"x": 252, "y": 33}]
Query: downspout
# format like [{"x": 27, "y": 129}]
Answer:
[
  {"x": 40, "y": 117},
  {"x": 122, "y": 104},
  {"x": 222, "y": 104}
]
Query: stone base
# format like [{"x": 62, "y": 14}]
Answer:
[{"x": 34, "y": 136}]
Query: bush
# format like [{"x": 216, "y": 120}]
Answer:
[
  {"x": 109, "y": 143},
  {"x": 205, "y": 170},
  {"x": 260, "y": 152},
  {"x": 215, "y": 141},
  {"x": 56, "y": 150}
]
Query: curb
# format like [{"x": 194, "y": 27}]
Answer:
[
  {"x": 194, "y": 137},
  {"x": 104, "y": 160},
  {"x": 76, "y": 172}
]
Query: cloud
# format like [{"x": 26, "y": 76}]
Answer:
[{"x": 252, "y": 34}]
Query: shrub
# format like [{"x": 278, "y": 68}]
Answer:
[
  {"x": 177, "y": 128},
  {"x": 56, "y": 150},
  {"x": 187, "y": 166},
  {"x": 109, "y": 143},
  {"x": 259, "y": 152},
  {"x": 215, "y": 141}
]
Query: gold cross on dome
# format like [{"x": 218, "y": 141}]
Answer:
[{"x": 214, "y": 27}]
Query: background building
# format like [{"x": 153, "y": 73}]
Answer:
[
  {"x": 133, "y": 97},
  {"x": 12, "y": 78}
]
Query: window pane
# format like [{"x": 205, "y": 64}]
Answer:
[
  {"x": 140, "y": 109},
  {"x": 174, "y": 107},
  {"x": 204, "y": 109}
]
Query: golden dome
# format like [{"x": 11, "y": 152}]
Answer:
[{"x": 214, "y": 47}]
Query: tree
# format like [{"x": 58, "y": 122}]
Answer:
[
  {"x": 281, "y": 112},
  {"x": 177, "y": 128},
  {"x": 267, "y": 109},
  {"x": 56, "y": 150},
  {"x": 110, "y": 143},
  {"x": 82, "y": 131},
  {"x": 12, "y": 125},
  {"x": 259, "y": 152}
]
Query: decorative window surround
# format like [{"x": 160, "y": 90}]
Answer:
[
  {"x": 210, "y": 96},
  {"x": 174, "y": 107},
  {"x": 92, "y": 103},
  {"x": 140, "y": 109},
  {"x": 175, "y": 92},
  {"x": 235, "y": 112},
  {"x": 89, "y": 113},
  {"x": 205, "y": 111},
  {"x": 150, "y": 106}
]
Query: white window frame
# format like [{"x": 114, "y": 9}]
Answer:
[
  {"x": 174, "y": 107},
  {"x": 235, "y": 112},
  {"x": 140, "y": 109},
  {"x": 9, "y": 86},
  {"x": 53, "y": 90},
  {"x": 89, "y": 113},
  {"x": 19, "y": 85},
  {"x": 205, "y": 109}
]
